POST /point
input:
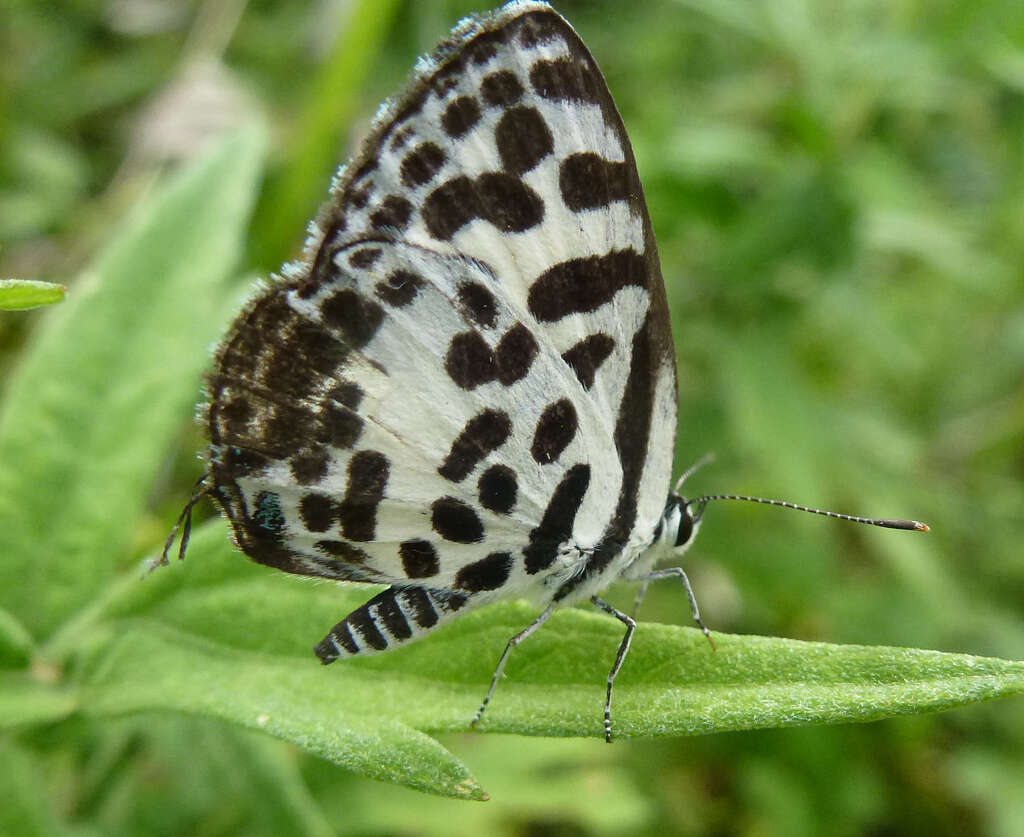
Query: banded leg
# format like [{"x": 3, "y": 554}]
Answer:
[
  {"x": 184, "y": 524},
  {"x": 672, "y": 572},
  {"x": 394, "y": 617},
  {"x": 512, "y": 643},
  {"x": 620, "y": 658},
  {"x": 640, "y": 593}
]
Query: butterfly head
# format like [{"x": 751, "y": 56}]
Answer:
[{"x": 679, "y": 524}]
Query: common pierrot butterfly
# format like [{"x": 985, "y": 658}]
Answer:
[{"x": 466, "y": 391}]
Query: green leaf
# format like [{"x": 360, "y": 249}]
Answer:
[
  {"x": 222, "y": 637},
  {"x": 21, "y": 294},
  {"x": 152, "y": 668},
  {"x": 102, "y": 391}
]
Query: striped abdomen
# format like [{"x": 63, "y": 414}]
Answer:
[{"x": 396, "y": 616}]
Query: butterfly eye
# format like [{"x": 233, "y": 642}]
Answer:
[{"x": 686, "y": 525}]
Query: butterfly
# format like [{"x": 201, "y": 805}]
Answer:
[{"x": 466, "y": 390}]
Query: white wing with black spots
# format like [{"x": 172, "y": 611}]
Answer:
[{"x": 467, "y": 389}]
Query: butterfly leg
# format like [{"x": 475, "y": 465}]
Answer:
[
  {"x": 675, "y": 572},
  {"x": 184, "y": 523},
  {"x": 640, "y": 593},
  {"x": 620, "y": 658},
  {"x": 512, "y": 643}
]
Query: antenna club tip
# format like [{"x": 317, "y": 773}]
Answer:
[{"x": 908, "y": 525}]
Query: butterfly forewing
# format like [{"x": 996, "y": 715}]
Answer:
[{"x": 467, "y": 389}]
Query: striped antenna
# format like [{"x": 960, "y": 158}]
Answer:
[
  {"x": 911, "y": 525},
  {"x": 696, "y": 466}
]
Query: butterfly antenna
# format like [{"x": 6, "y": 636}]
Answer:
[
  {"x": 886, "y": 523},
  {"x": 184, "y": 524},
  {"x": 706, "y": 459}
]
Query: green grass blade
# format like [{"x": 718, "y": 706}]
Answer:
[
  {"x": 91, "y": 410},
  {"x": 292, "y": 197}
]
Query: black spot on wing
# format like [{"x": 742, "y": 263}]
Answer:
[
  {"x": 539, "y": 28},
  {"x": 450, "y": 207},
  {"x": 501, "y": 88},
  {"x": 347, "y": 393},
  {"x": 585, "y": 284},
  {"x": 400, "y": 138},
  {"x": 399, "y": 288},
  {"x": 498, "y": 489},
  {"x": 317, "y": 511},
  {"x": 338, "y": 426},
  {"x": 523, "y": 139},
  {"x": 484, "y": 46},
  {"x": 356, "y": 197},
  {"x": 350, "y": 555},
  {"x": 393, "y": 212},
  {"x": 367, "y": 477},
  {"x": 470, "y": 361},
  {"x": 514, "y": 354},
  {"x": 488, "y": 573},
  {"x": 589, "y": 181},
  {"x": 556, "y": 526},
  {"x": 499, "y": 198},
  {"x": 446, "y": 79},
  {"x": 260, "y": 529},
  {"x": 285, "y": 428},
  {"x": 310, "y": 465},
  {"x": 555, "y": 430},
  {"x": 482, "y": 435},
  {"x": 460, "y": 117},
  {"x": 508, "y": 203},
  {"x": 456, "y": 521},
  {"x": 586, "y": 357},
  {"x": 566, "y": 79},
  {"x": 421, "y": 164},
  {"x": 355, "y": 317},
  {"x": 448, "y": 600},
  {"x": 478, "y": 304},
  {"x": 364, "y": 257},
  {"x": 267, "y": 514},
  {"x": 419, "y": 559}
]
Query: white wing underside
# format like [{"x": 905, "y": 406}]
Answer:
[{"x": 385, "y": 220}]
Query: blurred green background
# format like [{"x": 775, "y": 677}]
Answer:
[{"x": 838, "y": 194}]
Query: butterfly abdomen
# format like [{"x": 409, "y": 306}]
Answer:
[{"x": 396, "y": 616}]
